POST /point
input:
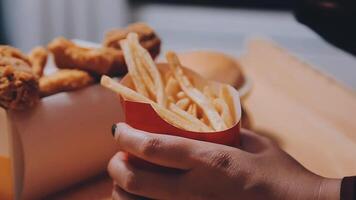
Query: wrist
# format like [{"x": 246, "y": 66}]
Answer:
[{"x": 314, "y": 187}]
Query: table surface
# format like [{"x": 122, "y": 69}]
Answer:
[{"x": 312, "y": 116}]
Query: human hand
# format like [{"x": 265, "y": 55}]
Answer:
[{"x": 257, "y": 170}]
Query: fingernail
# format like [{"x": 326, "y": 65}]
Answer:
[{"x": 113, "y": 130}]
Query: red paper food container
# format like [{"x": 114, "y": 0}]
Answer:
[{"x": 142, "y": 115}]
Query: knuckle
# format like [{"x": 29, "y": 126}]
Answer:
[
  {"x": 222, "y": 159},
  {"x": 112, "y": 163},
  {"x": 131, "y": 182},
  {"x": 150, "y": 146}
]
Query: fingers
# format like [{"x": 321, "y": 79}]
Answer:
[
  {"x": 164, "y": 150},
  {"x": 252, "y": 142},
  {"x": 152, "y": 184}
]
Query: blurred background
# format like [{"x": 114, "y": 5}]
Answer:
[{"x": 183, "y": 25}]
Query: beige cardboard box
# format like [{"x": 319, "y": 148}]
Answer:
[{"x": 63, "y": 140}]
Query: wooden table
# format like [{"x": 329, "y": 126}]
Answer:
[{"x": 311, "y": 116}]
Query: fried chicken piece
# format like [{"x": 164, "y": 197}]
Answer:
[
  {"x": 9, "y": 51},
  {"x": 97, "y": 61},
  {"x": 107, "y": 60},
  {"x": 38, "y": 59},
  {"x": 147, "y": 37},
  {"x": 18, "y": 85},
  {"x": 64, "y": 80}
]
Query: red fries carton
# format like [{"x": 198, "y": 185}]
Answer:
[{"x": 143, "y": 116}]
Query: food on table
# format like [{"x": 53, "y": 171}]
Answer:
[
  {"x": 22, "y": 82},
  {"x": 18, "y": 84},
  {"x": 22, "y": 79},
  {"x": 97, "y": 61},
  {"x": 173, "y": 95},
  {"x": 107, "y": 59},
  {"x": 64, "y": 80},
  {"x": 38, "y": 58},
  {"x": 147, "y": 37}
]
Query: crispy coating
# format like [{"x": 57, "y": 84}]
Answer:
[
  {"x": 18, "y": 85},
  {"x": 97, "y": 61},
  {"x": 106, "y": 60},
  {"x": 147, "y": 37},
  {"x": 38, "y": 58},
  {"x": 64, "y": 80},
  {"x": 9, "y": 51}
]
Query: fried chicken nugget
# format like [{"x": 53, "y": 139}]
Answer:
[
  {"x": 18, "y": 84},
  {"x": 97, "y": 61},
  {"x": 38, "y": 58},
  {"x": 64, "y": 80},
  {"x": 147, "y": 37},
  {"x": 12, "y": 52}
]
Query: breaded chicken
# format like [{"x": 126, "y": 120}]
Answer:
[
  {"x": 147, "y": 37},
  {"x": 38, "y": 58},
  {"x": 64, "y": 80},
  {"x": 97, "y": 61},
  {"x": 18, "y": 84}
]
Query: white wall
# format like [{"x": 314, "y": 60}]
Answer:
[{"x": 33, "y": 22}]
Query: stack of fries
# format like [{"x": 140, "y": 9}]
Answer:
[{"x": 173, "y": 95}]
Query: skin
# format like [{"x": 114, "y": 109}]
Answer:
[{"x": 257, "y": 169}]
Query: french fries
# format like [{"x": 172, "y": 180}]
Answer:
[
  {"x": 183, "y": 103},
  {"x": 181, "y": 95},
  {"x": 189, "y": 117},
  {"x": 223, "y": 110},
  {"x": 172, "y": 87},
  {"x": 150, "y": 66},
  {"x": 173, "y": 95},
  {"x": 132, "y": 68},
  {"x": 199, "y": 98},
  {"x": 132, "y": 95}
]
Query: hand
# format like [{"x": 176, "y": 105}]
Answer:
[{"x": 258, "y": 170}]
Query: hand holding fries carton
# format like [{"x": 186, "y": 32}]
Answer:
[{"x": 170, "y": 99}]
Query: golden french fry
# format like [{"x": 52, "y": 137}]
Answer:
[
  {"x": 223, "y": 109},
  {"x": 177, "y": 120},
  {"x": 205, "y": 120},
  {"x": 167, "y": 76},
  {"x": 189, "y": 110},
  {"x": 170, "y": 99},
  {"x": 183, "y": 103},
  {"x": 189, "y": 117},
  {"x": 124, "y": 91},
  {"x": 132, "y": 68},
  {"x": 150, "y": 66},
  {"x": 132, "y": 95},
  {"x": 172, "y": 87},
  {"x": 209, "y": 93},
  {"x": 226, "y": 95},
  {"x": 145, "y": 77},
  {"x": 199, "y": 98},
  {"x": 181, "y": 95},
  {"x": 192, "y": 109}
]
